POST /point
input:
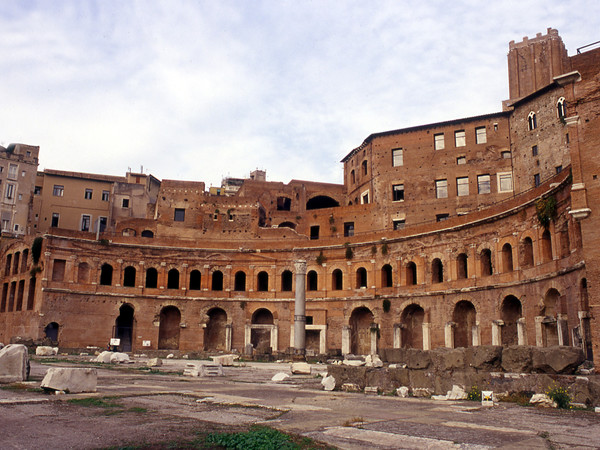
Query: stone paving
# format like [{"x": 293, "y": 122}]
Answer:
[{"x": 163, "y": 406}]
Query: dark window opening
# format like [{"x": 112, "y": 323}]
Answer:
[
  {"x": 286, "y": 281},
  {"x": 129, "y": 276},
  {"x": 151, "y": 278},
  {"x": 314, "y": 232},
  {"x": 195, "y": 278},
  {"x": 284, "y": 203},
  {"x": 262, "y": 284},
  {"x": 321, "y": 201},
  {"x": 179, "y": 215}
]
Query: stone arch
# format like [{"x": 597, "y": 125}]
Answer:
[
  {"x": 464, "y": 317},
  {"x": 312, "y": 280},
  {"x": 124, "y": 327},
  {"x": 286, "y": 280},
  {"x": 411, "y": 274},
  {"x": 261, "y": 330},
  {"x": 195, "y": 283},
  {"x": 511, "y": 311},
  {"x": 239, "y": 281},
  {"x": 83, "y": 273},
  {"x": 386, "y": 276},
  {"x": 262, "y": 281},
  {"x": 51, "y": 331},
  {"x": 129, "y": 276},
  {"x": 361, "y": 321},
  {"x": 462, "y": 269},
  {"x": 169, "y": 328},
  {"x": 151, "y": 278},
  {"x": 106, "y": 273},
  {"x": 147, "y": 234},
  {"x": 437, "y": 271},
  {"x": 412, "y": 319},
  {"x": 215, "y": 333},
  {"x": 507, "y": 258},
  {"x": 321, "y": 201},
  {"x": 361, "y": 278},
  {"x": 217, "y": 280},
  {"x": 291, "y": 225},
  {"x": 173, "y": 279},
  {"x": 337, "y": 280}
]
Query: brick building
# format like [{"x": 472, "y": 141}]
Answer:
[{"x": 472, "y": 231}]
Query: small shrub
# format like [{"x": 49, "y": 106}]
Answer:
[
  {"x": 374, "y": 250},
  {"x": 36, "y": 249},
  {"x": 349, "y": 252},
  {"x": 384, "y": 249},
  {"x": 560, "y": 396},
  {"x": 546, "y": 210},
  {"x": 35, "y": 270},
  {"x": 104, "y": 242},
  {"x": 474, "y": 394},
  {"x": 321, "y": 258}
]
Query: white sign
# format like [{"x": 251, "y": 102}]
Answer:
[
  {"x": 145, "y": 343},
  {"x": 487, "y": 398},
  {"x": 115, "y": 341}
]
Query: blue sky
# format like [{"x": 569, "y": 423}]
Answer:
[{"x": 199, "y": 90}]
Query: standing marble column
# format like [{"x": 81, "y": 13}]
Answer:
[{"x": 300, "y": 310}]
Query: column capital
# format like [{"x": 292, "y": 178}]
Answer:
[{"x": 300, "y": 266}]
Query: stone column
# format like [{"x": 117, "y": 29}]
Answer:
[
  {"x": 374, "y": 331},
  {"x": 497, "y": 332},
  {"x": 426, "y": 336},
  {"x": 228, "y": 333},
  {"x": 346, "y": 340},
  {"x": 300, "y": 310},
  {"x": 274, "y": 339},
  {"x": 539, "y": 331},
  {"x": 584, "y": 326},
  {"x": 398, "y": 335},
  {"x": 521, "y": 332},
  {"x": 562, "y": 329},
  {"x": 476, "y": 330},
  {"x": 449, "y": 334}
]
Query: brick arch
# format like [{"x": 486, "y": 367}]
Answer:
[{"x": 271, "y": 308}]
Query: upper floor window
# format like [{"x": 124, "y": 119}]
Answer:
[
  {"x": 438, "y": 141},
  {"x": 349, "y": 229},
  {"x": 398, "y": 192},
  {"x": 58, "y": 190},
  {"x": 125, "y": 203},
  {"x": 37, "y": 190},
  {"x": 534, "y": 150},
  {"x": 352, "y": 177},
  {"x": 12, "y": 171},
  {"x": 531, "y": 121},
  {"x": 397, "y": 157},
  {"x": 88, "y": 194},
  {"x": 364, "y": 167},
  {"x": 536, "y": 180},
  {"x": 505, "y": 182},
  {"x": 483, "y": 184},
  {"x": 505, "y": 155},
  {"x": 55, "y": 218},
  {"x": 462, "y": 186},
  {"x": 460, "y": 139},
  {"x": 179, "y": 215},
  {"x": 364, "y": 198},
  {"x": 314, "y": 232},
  {"x": 461, "y": 160},
  {"x": 10, "y": 191},
  {"x": 561, "y": 108},
  {"x": 399, "y": 224},
  {"x": 480, "y": 135},
  {"x": 85, "y": 222},
  {"x": 441, "y": 189},
  {"x": 105, "y": 195}
]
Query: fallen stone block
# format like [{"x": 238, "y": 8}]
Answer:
[
  {"x": 373, "y": 361},
  {"x": 14, "y": 363},
  {"x": 457, "y": 393},
  {"x": 119, "y": 357},
  {"x": 542, "y": 400},
  {"x": 44, "y": 350},
  {"x": 279, "y": 376},
  {"x": 402, "y": 392},
  {"x": 371, "y": 390},
  {"x": 170, "y": 356},
  {"x": 211, "y": 370},
  {"x": 422, "y": 392},
  {"x": 353, "y": 362},
  {"x": 191, "y": 370},
  {"x": 350, "y": 387},
  {"x": 154, "y": 362},
  {"x": 439, "y": 397},
  {"x": 224, "y": 360},
  {"x": 70, "y": 380},
  {"x": 300, "y": 368},
  {"x": 328, "y": 383},
  {"x": 103, "y": 357}
]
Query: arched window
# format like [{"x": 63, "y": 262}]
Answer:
[
  {"x": 129, "y": 276},
  {"x": 386, "y": 276},
  {"x": 24, "y": 260},
  {"x": 437, "y": 271},
  {"x": 106, "y": 272},
  {"x": 531, "y": 121},
  {"x": 173, "y": 279},
  {"x": 16, "y": 263},
  {"x": 486, "y": 262},
  {"x": 337, "y": 280},
  {"x": 546, "y": 246},
  {"x": 361, "y": 278},
  {"x": 352, "y": 177},
  {"x": 151, "y": 278},
  {"x": 507, "y": 259},
  {"x": 147, "y": 234},
  {"x": 262, "y": 281},
  {"x": 195, "y": 280},
  {"x": 217, "y": 280},
  {"x": 411, "y": 274},
  {"x": 286, "y": 281},
  {"x": 312, "y": 281},
  {"x": 364, "y": 167},
  {"x": 240, "y": 281},
  {"x": 527, "y": 252},
  {"x": 462, "y": 266},
  {"x": 561, "y": 108}
]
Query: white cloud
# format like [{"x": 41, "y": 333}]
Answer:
[{"x": 199, "y": 90}]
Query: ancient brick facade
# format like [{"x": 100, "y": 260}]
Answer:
[{"x": 441, "y": 235}]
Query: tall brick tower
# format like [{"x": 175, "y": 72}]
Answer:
[{"x": 533, "y": 63}]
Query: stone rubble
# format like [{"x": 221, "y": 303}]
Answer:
[
  {"x": 14, "y": 363},
  {"x": 71, "y": 380}
]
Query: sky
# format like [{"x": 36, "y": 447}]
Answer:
[{"x": 201, "y": 90}]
